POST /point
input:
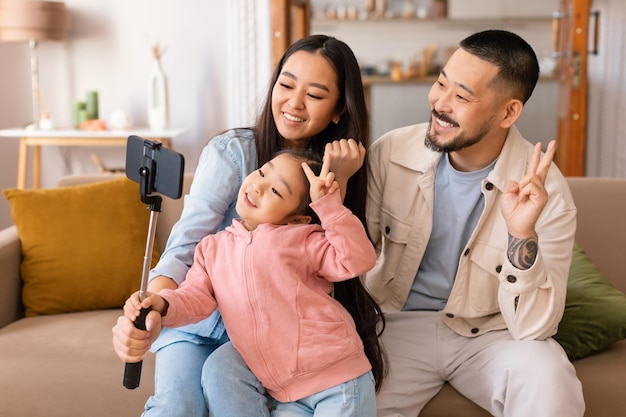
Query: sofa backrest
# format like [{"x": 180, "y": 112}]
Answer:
[
  {"x": 601, "y": 230},
  {"x": 170, "y": 208}
]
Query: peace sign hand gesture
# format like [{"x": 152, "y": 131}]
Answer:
[
  {"x": 324, "y": 183},
  {"x": 523, "y": 200}
]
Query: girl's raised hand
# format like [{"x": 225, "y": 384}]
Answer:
[{"x": 324, "y": 183}]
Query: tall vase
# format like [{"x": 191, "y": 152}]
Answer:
[{"x": 158, "y": 112}]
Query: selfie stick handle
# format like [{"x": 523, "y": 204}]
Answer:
[{"x": 132, "y": 371}]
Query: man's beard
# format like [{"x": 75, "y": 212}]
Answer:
[{"x": 458, "y": 142}]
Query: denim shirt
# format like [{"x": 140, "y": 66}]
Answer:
[{"x": 208, "y": 208}]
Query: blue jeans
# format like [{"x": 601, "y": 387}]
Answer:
[
  {"x": 355, "y": 398},
  {"x": 232, "y": 390},
  {"x": 178, "y": 390}
]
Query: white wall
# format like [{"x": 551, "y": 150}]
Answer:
[
  {"x": 15, "y": 108},
  {"x": 109, "y": 50}
]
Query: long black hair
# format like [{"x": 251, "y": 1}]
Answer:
[
  {"x": 353, "y": 124},
  {"x": 354, "y": 121}
]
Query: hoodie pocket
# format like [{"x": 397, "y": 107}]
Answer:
[{"x": 322, "y": 343}]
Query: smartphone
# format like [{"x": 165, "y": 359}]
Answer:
[{"x": 162, "y": 167}]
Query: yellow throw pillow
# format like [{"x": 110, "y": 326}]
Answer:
[{"x": 82, "y": 246}]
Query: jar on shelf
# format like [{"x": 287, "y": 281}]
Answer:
[{"x": 439, "y": 8}]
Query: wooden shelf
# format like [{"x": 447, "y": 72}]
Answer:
[
  {"x": 369, "y": 80},
  {"x": 380, "y": 79},
  {"x": 433, "y": 20},
  {"x": 380, "y": 19}
]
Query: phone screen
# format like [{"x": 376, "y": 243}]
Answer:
[{"x": 165, "y": 167}]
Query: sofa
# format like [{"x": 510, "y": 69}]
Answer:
[{"x": 63, "y": 365}]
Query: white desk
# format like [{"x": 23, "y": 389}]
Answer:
[{"x": 73, "y": 137}]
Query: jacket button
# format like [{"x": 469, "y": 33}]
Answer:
[
  {"x": 450, "y": 315},
  {"x": 387, "y": 230},
  {"x": 511, "y": 279},
  {"x": 466, "y": 252},
  {"x": 474, "y": 330},
  {"x": 489, "y": 186},
  {"x": 499, "y": 269}
]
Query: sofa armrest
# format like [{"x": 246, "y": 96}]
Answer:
[{"x": 10, "y": 282}]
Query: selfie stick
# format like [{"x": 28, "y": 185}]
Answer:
[{"x": 132, "y": 371}]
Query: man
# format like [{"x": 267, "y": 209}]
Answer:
[{"x": 475, "y": 231}]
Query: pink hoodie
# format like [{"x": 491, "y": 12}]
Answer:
[{"x": 272, "y": 288}]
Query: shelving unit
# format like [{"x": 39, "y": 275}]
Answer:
[
  {"x": 378, "y": 41},
  {"x": 422, "y": 10}
]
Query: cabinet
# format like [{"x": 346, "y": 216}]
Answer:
[{"x": 378, "y": 41}]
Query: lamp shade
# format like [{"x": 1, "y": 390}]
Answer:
[{"x": 30, "y": 20}]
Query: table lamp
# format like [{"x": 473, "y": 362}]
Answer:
[{"x": 33, "y": 21}]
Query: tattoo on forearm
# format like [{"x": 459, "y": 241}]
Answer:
[{"x": 523, "y": 252}]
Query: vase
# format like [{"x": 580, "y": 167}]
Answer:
[{"x": 158, "y": 112}]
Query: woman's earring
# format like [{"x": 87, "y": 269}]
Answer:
[{"x": 336, "y": 120}]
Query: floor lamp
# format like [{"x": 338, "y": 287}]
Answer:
[{"x": 33, "y": 21}]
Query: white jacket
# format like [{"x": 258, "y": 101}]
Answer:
[{"x": 489, "y": 293}]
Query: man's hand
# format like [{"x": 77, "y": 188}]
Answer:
[{"x": 522, "y": 203}]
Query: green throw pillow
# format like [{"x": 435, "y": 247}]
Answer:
[{"x": 595, "y": 311}]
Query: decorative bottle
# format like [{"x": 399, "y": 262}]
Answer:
[{"x": 158, "y": 112}]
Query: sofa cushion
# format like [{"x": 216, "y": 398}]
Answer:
[
  {"x": 64, "y": 365},
  {"x": 82, "y": 246},
  {"x": 595, "y": 311}
]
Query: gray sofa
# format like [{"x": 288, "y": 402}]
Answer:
[{"x": 64, "y": 365}]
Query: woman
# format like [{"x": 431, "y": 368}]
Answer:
[
  {"x": 316, "y": 101},
  {"x": 293, "y": 241}
]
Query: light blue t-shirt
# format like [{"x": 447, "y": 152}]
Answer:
[
  {"x": 458, "y": 204},
  {"x": 209, "y": 207}
]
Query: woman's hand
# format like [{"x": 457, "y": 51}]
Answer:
[
  {"x": 347, "y": 156},
  {"x": 130, "y": 343}
]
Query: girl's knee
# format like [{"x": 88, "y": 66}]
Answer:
[{"x": 225, "y": 360}]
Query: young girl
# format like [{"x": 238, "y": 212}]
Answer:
[
  {"x": 271, "y": 274},
  {"x": 315, "y": 101}
]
